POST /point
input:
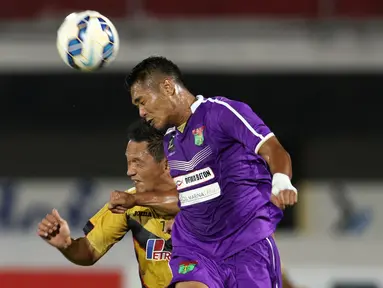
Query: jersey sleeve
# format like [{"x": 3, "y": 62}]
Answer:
[
  {"x": 105, "y": 229},
  {"x": 238, "y": 121}
]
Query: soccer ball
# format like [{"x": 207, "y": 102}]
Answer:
[{"x": 87, "y": 41}]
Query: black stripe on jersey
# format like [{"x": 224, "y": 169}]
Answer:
[
  {"x": 139, "y": 271},
  {"x": 141, "y": 235},
  {"x": 88, "y": 227}
]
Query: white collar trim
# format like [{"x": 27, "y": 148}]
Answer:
[{"x": 196, "y": 104}]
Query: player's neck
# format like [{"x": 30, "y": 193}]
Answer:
[
  {"x": 164, "y": 187},
  {"x": 165, "y": 183},
  {"x": 183, "y": 113}
]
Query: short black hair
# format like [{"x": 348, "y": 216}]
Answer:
[
  {"x": 154, "y": 64},
  {"x": 141, "y": 131}
]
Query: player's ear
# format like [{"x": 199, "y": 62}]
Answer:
[{"x": 167, "y": 87}]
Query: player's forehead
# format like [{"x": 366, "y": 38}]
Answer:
[
  {"x": 137, "y": 150},
  {"x": 138, "y": 91}
]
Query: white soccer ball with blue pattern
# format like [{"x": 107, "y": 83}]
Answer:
[{"x": 87, "y": 41}]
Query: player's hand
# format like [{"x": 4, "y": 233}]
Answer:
[
  {"x": 120, "y": 201},
  {"x": 274, "y": 199},
  {"x": 287, "y": 197},
  {"x": 169, "y": 226},
  {"x": 283, "y": 192},
  {"x": 55, "y": 230}
]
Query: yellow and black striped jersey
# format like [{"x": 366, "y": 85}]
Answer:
[{"x": 152, "y": 245}]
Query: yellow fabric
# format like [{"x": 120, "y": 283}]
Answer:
[
  {"x": 147, "y": 228},
  {"x": 181, "y": 128}
]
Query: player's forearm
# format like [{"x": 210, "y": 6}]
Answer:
[
  {"x": 80, "y": 252},
  {"x": 280, "y": 162},
  {"x": 276, "y": 156},
  {"x": 166, "y": 202}
]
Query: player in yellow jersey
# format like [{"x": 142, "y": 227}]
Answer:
[{"x": 151, "y": 204}]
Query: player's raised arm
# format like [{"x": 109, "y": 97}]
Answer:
[
  {"x": 237, "y": 120},
  {"x": 55, "y": 231},
  {"x": 80, "y": 252},
  {"x": 102, "y": 231}
]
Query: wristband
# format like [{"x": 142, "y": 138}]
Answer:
[{"x": 281, "y": 182}]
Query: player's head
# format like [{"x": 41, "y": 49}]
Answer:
[
  {"x": 155, "y": 84},
  {"x": 145, "y": 156}
]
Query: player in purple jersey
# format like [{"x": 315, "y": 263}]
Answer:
[{"x": 226, "y": 164}]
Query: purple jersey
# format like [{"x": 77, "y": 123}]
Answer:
[{"x": 224, "y": 185}]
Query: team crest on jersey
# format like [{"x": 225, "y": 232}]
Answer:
[
  {"x": 186, "y": 267},
  {"x": 155, "y": 250},
  {"x": 198, "y": 135}
]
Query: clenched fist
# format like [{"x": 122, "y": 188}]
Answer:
[
  {"x": 121, "y": 201},
  {"x": 283, "y": 192},
  {"x": 55, "y": 230}
]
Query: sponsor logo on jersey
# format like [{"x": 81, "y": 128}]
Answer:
[
  {"x": 143, "y": 214},
  {"x": 194, "y": 178},
  {"x": 186, "y": 267},
  {"x": 198, "y": 135},
  {"x": 155, "y": 250},
  {"x": 200, "y": 195}
]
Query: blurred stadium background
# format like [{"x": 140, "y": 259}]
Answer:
[{"x": 312, "y": 69}]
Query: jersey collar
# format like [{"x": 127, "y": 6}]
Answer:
[{"x": 196, "y": 104}]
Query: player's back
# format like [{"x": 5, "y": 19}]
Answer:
[{"x": 224, "y": 186}]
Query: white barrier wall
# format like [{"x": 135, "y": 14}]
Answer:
[
  {"x": 259, "y": 46},
  {"x": 314, "y": 258}
]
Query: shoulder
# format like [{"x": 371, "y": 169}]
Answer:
[
  {"x": 223, "y": 103},
  {"x": 215, "y": 106},
  {"x": 141, "y": 214},
  {"x": 217, "y": 109},
  {"x": 105, "y": 217}
]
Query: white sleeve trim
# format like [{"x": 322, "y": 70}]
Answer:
[
  {"x": 259, "y": 145},
  {"x": 245, "y": 122},
  {"x": 239, "y": 116}
]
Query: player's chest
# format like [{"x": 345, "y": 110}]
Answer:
[
  {"x": 190, "y": 151},
  {"x": 147, "y": 222},
  {"x": 149, "y": 236}
]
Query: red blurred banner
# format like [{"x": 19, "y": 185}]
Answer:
[
  {"x": 358, "y": 8},
  {"x": 65, "y": 278},
  {"x": 24, "y": 9},
  {"x": 218, "y": 8}
]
